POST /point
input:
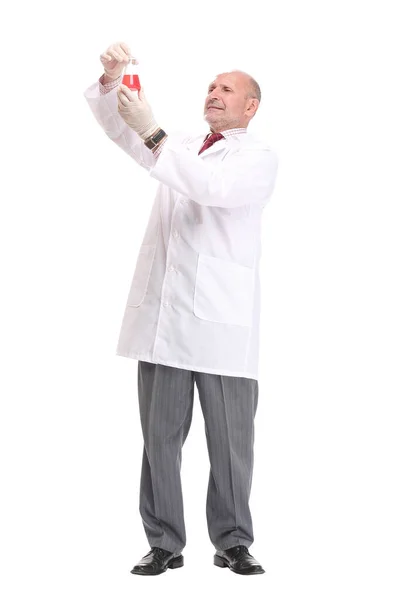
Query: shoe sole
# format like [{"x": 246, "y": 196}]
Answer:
[
  {"x": 174, "y": 564},
  {"x": 221, "y": 562}
]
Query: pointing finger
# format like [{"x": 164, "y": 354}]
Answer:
[{"x": 125, "y": 47}]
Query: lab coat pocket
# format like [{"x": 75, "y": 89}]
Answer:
[
  {"x": 141, "y": 276},
  {"x": 223, "y": 291}
]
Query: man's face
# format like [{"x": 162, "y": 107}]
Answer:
[{"x": 226, "y": 106}]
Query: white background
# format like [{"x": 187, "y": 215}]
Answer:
[{"x": 325, "y": 497}]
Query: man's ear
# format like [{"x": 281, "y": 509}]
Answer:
[{"x": 254, "y": 104}]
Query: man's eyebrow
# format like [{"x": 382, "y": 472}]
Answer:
[{"x": 223, "y": 85}]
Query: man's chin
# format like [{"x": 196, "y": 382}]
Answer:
[{"x": 212, "y": 118}]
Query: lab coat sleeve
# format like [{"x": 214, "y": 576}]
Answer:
[
  {"x": 105, "y": 110},
  {"x": 246, "y": 175}
]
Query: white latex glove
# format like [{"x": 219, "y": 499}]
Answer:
[
  {"x": 136, "y": 112},
  {"x": 114, "y": 59}
]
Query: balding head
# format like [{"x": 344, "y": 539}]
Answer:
[
  {"x": 253, "y": 89},
  {"x": 235, "y": 97}
]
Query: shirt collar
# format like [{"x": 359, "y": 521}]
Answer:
[{"x": 229, "y": 132}]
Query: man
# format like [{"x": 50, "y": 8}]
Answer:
[{"x": 192, "y": 313}]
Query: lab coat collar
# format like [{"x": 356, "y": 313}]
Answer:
[
  {"x": 229, "y": 142},
  {"x": 232, "y": 142}
]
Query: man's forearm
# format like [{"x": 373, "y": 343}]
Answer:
[
  {"x": 106, "y": 85},
  {"x": 107, "y": 79}
]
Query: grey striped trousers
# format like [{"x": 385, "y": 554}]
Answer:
[{"x": 229, "y": 406}]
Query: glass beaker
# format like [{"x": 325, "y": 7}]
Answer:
[{"x": 131, "y": 75}]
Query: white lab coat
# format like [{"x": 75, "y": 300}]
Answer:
[{"x": 194, "y": 301}]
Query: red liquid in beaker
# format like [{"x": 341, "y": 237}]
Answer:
[{"x": 131, "y": 81}]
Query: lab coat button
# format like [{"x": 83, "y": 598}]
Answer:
[
  {"x": 165, "y": 303},
  {"x": 176, "y": 234},
  {"x": 171, "y": 268}
]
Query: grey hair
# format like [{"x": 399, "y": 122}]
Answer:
[{"x": 254, "y": 89}]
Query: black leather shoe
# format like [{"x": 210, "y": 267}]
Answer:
[
  {"x": 157, "y": 561},
  {"x": 238, "y": 560}
]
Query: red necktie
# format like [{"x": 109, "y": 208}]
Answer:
[{"x": 214, "y": 137}]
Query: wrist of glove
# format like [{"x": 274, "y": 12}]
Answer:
[
  {"x": 146, "y": 130},
  {"x": 136, "y": 112},
  {"x": 107, "y": 78}
]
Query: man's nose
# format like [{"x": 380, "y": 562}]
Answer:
[{"x": 213, "y": 97}]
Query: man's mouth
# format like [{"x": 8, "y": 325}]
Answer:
[{"x": 215, "y": 108}]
